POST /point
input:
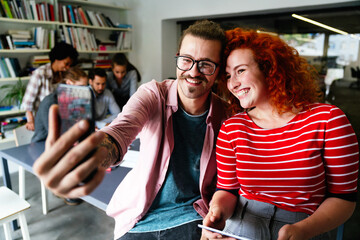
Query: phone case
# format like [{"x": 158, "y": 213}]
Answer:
[{"x": 75, "y": 103}]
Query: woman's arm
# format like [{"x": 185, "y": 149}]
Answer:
[
  {"x": 331, "y": 213},
  {"x": 222, "y": 207}
]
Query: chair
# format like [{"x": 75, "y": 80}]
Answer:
[
  {"x": 23, "y": 136},
  {"x": 332, "y": 74},
  {"x": 355, "y": 73},
  {"x": 12, "y": 207},
  {"x": 340, "y": 232}
]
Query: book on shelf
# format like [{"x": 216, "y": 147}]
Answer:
[
  {"x": 93, "y": 19},
  {"x": 9, "y": 40},
  {"x": 127, "y": 26},
  {"x": 33, "y": 10},
  {"x": 64, "y": 14},
  {"x": 83, "y": 16},
  {"x": 20, "y": 34},
  {"x": 4, "y": 72},
  {"x": 27, "y": 9},
  {"x": 80, "y": 38},
  {"x": 124, "y": 41},
  {"x": 6, "y": 8},
  {"x": 9, "y": 67},
  {"x": 71, "y": 13},
  {"x": 39, "y": 60},
  {"x": 107, "y": 46},
  {"x": 44, "y": 38},
  {"x": 2, "y": 11},
  {"x": 4, "y": 42},
  {"x": 14, "y": 10}
]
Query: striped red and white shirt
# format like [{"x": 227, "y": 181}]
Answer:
[{"x": 293, "y": 166}]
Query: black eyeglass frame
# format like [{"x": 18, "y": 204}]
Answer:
[{"x": 197, "y": 65}]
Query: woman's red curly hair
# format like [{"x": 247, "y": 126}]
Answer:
[{"x": 291, "y": 81}]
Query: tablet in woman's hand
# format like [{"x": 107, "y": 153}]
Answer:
[{"x": 222, "y": 232}]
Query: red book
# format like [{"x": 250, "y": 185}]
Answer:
[
  {"x": 51, "y": 12},
  {"x": 69, "y": 15},
  {"x": 82, "y": 15},
  {"x": 39, "y": 13}
]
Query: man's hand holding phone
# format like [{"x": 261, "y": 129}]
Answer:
[{"x": 61, "y": 166}]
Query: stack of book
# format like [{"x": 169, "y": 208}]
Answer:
[
  {"x": 78, "y": 15},
  {"x": 39, "y": 60},
  {"x": 27, "y": 9},
  {"x": 102, "y": 60},
  {"x": 9, "y": 67},
  {"x": 22, "y": 39}
]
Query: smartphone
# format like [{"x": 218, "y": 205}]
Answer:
[
  {"x": 222, "y": 232},
  {"x": 76, "y": 103}
]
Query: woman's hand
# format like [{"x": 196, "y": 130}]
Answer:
[
  {"x": 221, "y": 208},
  {"x": 291, "y": 232}
]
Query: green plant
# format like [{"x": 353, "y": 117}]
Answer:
[{"x": 14, "y": 93}]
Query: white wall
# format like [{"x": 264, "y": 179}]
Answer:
[{"x": 155, "y": 30}]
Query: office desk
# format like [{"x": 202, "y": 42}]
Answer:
[{"x": 27, "y": 154}]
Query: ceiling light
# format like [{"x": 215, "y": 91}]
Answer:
[
  {"x": 319, "y": 24},
  {"x": 271, "y": 33}
]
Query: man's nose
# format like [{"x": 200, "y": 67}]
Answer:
[{"x": 194, "y": 71}]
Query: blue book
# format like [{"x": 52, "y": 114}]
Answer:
[
  {"x": 28, "y": 43},
  {"x": 72, "y": 14}
]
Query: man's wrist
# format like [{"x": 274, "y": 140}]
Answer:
[{"x": 113, "y": 152}]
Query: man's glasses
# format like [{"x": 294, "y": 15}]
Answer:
[{"x": 206, "y": 67}]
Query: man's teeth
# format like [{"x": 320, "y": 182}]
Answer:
[{"x": 192, "y": 81}]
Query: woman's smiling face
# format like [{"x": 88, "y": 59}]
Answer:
[{"x": 244, "y": 78}]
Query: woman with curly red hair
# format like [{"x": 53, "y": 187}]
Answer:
[{"x": 287, "y": 164}]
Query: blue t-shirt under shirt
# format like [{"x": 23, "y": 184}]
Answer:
[{"x": 173, "y": 205}]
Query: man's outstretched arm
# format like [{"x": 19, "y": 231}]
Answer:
[{"x": 61, "y": 166}]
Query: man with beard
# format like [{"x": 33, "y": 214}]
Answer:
[
  {"x": 106, "y": 108},
  {"x": 168, "y": 192}
]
